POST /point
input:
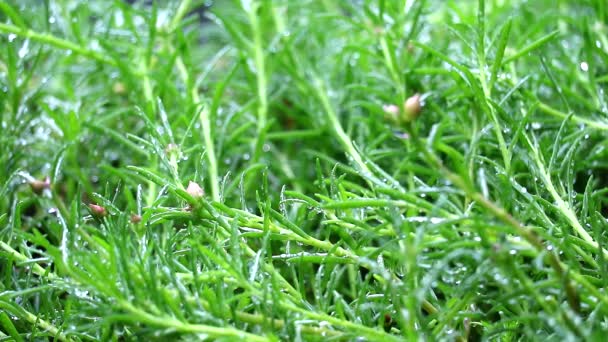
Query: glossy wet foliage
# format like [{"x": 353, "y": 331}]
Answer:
[{"x": 482, "y": 219}]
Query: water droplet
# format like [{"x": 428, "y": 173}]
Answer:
[
  {"x": 584, "y": 66},
  {"x": 536, "y": 125},
  {"x": 11, "y": 37},
  {"x": 246, "y": 156},
  {"x": 81, "y": 293},
  {"x": 52, "y": 20},
  {"x": 24, "y": 49}
]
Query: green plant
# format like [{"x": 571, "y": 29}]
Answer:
[{"x": 235, "y": 177}]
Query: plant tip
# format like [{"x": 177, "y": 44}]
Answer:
[
  {"x": 171, "y": 148},
  {"x": 391, "y": 112},
  {"x": 411, "y": 108},
  {"x": 40, "y": 185},
  {"x": 195, "y": 190},
  {"x": 97, "y": 210},
  {"x": 135, "y": 218},
  {"x": 119, "y": 88}
]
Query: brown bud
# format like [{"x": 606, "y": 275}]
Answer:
[
  {"x": 388, "y": 322},
  {"x": 40, "y": 185},
  {"x": 411, "y": 108},
  {"x": 97, "y": 210},
  {"x": 135, "y": 218},
  {"x": 195, "y": 190},
  {"x": 410, "y": 47}
]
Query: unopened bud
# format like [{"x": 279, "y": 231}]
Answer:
[
  {"x": 97, "y": 210},
  {"x": 135, "y": 218},
  {"x": 391, "y": 112},
  {"x": 411, "y": 108},
  {"x": 410, "y": 47},
  {"x": 195, "y": 190},
  {"x": 40, "y": 185},
  {"x": 119, "y": 88},
  {"x": 171, "y": 148}
]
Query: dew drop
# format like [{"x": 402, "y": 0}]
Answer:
[
  {"x": 24, "y": 49},
  {"x": 584, "y": 66}
]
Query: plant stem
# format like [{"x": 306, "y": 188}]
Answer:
[{"x": 57, "y": 42}]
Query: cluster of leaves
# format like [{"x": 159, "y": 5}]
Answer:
[{"x": 483, "y": 218}]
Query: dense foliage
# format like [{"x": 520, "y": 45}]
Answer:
[{"x": 247, "y": 170}]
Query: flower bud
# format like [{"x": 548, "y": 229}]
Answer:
[
  {"x": 40, "y": 185},
  {"x": 195, "y": 190},
  {"x": 97, "y": 210},
  {"x": 119, "y": 88},
  {"x": 171, "y": 148},
  {"x": 135, "y": 218},
  {"x": 391, "y": 112},
  {"x": 411, "y": 108}
]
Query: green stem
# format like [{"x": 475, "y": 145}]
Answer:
[
  {"x": 561, "y": 205},
  {"x": 38, "y": 270},
  {"x": 204, "y": 115},
  {"x": 181, "y": 11},
  {"x": 260, "y": 72},
  {"x": 56, "y": 42},
  {"x": 210, "y": 152},
  {"x": 37, "y": 321},
  {"x": 343, "y": 138},
  {"x": 172, "y": 323},
  {"x": 501, "y": 214},
  {"x": 371, "y": 333},
  {"x": 481, "y": 62},
  {"x": 591, "y": 123}
]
